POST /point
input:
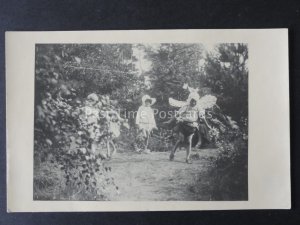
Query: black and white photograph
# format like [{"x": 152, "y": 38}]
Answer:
[
  {"x": 146, "y": 112},
  {"x": 141, "y": 122}
]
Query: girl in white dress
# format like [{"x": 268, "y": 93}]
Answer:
[{"x": 145, "y": 120}]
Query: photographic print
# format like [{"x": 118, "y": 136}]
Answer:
[
  {"x": 147, "y": 120},
  {"x": 141, "y": 122}
]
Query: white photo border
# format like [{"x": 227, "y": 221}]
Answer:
[{"x": 269, "y": 124}]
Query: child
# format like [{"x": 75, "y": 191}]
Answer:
[
  {"x": 187, "y": 124},
  {"x": 90, "y": 121},
  {"x": 145, "y": 120},
  {"x": 114, "y": 126},
  {"x": 188, "y": 114},
  {"x": 113, "y": 122}
]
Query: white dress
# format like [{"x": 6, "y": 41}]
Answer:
[{"x": 145, "y": 118}]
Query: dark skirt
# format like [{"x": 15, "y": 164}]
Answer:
[{"x": 185, "y": 129}]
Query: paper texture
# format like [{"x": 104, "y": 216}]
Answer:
[{"x": 268, "y": 117}]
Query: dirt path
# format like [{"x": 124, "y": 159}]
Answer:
[{"x": 153, "y": 177}]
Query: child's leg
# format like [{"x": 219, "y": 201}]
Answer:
[
  {"x": 139, "y": 141},
  {"x": 114, "y": 148},
  {"x": 174, "y": 150},
  {"x": 147, "y": 133},
  {"x": 94, "y": 147},
  {"x": 189, "y": 148},
  {"x": 108, "y": 148}
]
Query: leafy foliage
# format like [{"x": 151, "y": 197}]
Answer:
[
  {"x": 65, "y": 74},
  {"x": 172, "y": 66},
  {"x": 226, "y": 73},
  {"x": 223, "y": 73},
  {"x": 229, "y": 172}
]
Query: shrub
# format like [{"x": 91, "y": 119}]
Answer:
[
  {"x": 57, "y": 125},
  {"x": 229, "y": 170}
]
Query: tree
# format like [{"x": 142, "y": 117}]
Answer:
[
  {"x": 226, "y": 73},
  {"x": 173, "y": 65}
]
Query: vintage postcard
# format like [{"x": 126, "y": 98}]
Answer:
[{"x": 147, "y": 120}]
